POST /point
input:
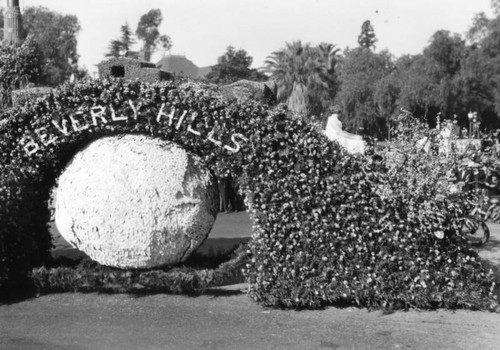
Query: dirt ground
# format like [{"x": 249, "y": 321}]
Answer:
[{"x": 226, "y": 318}]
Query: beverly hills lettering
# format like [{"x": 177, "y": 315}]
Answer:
[{"x": 78, "y": 121}]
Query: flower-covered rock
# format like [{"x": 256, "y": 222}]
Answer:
[{"x": 133, "y": 201}]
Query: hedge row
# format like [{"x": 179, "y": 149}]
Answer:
[
  {"x": 327, "y": 227},
  {"x": 89, "y": 276}
]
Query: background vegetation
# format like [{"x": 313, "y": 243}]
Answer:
[{"x": 453, "y": 75}]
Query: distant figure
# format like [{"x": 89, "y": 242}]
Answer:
[
  {"x": 424, "y": 144},
  {"x": 444, "y": 139},
  {"x": 493, "y": 184},
  {"x": 464, "y": 133},
  {"x": 227, "y": 193},
  {"x": 438, "y": 141},
  {"x": 351, "y": 142}
]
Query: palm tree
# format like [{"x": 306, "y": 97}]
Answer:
[
  {"x": 330, "y": 55},
  {"x": 284, "y": 66},
  {"x": 301, "y": 71},
  {"x": 323, "y": 98}
]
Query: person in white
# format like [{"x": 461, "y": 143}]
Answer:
[{"x": 351, "y": 142}]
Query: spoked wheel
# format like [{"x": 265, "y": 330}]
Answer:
[{"x": 476, "y": 230}]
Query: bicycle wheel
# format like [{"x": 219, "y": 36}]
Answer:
[
  {"x": 478, "y": 232},
  {"x": 483, "y": 232}
]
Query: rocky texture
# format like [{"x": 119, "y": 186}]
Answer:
[
  {"x": 132, "y": 201},
  {"x": 131, "y": 69},
  {"x": 244, "y": 90}
]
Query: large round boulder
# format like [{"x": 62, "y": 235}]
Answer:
[{"x": 132, "y": 201}]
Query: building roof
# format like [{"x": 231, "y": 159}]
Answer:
[
  {"x": 203, "y": 71},
  {"x": 178, "y": 64}
]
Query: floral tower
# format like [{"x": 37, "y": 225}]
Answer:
[{"x": 12, "y": 23}]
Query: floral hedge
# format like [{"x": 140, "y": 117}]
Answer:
[{"x": 327, "y": 227}]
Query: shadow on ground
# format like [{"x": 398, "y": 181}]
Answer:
[{"x": 490, "y": 254}]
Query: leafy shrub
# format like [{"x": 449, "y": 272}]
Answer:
[
  {"x": 19, "y": 65},
  {"x": 328, "y": 228}
]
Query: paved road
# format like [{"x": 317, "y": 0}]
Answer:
[
  {"x": 228, "y": 319},
  {"x": 225, "y": 321}
]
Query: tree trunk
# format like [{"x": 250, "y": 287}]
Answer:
[{"x": 297, "y": 101}]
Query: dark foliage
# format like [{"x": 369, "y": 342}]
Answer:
[
  {"x": 234, "y": 65},
  {"x": 56, "y": 35}
]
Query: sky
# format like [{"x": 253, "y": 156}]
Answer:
[{"x": 202, "y": 29}]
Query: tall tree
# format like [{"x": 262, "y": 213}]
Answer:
[
  {"x": 232, "y": 66},
  {"x": 305, "y": 76},
  {"x": 479, "y": 80},
  {"x": 19, "y": 66},
  {"x": 147, "y": 31},
  {"x": 495, "y": 5},
  {"x": 480, "y": 72},
  {"x": 419, "y": 91},
  {"x": 446, "y": 50},
  {"x": 367, "y": 38},
  {"x": 56, "y": 35},
  {"x": 127, "y": 38},
  {"x": 114, "y": 49},
  {"x": 429, "y": 82},
  {"x": 386, "y": 94},
  {"x": 359, "y": 73},
  {"x": 165, "y": 43},
  {"x": 485, "y": 32},
  {"x": 490, "y": 44},
  {"x": 321, "y": 96},
  {"x": 479, "y": 28},
  {"x": 122, "y": 47}
]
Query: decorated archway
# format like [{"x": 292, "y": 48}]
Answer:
[{"x": 323, "y": 232}]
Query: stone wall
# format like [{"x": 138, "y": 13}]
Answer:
[{"x": 131, "y": 69}]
